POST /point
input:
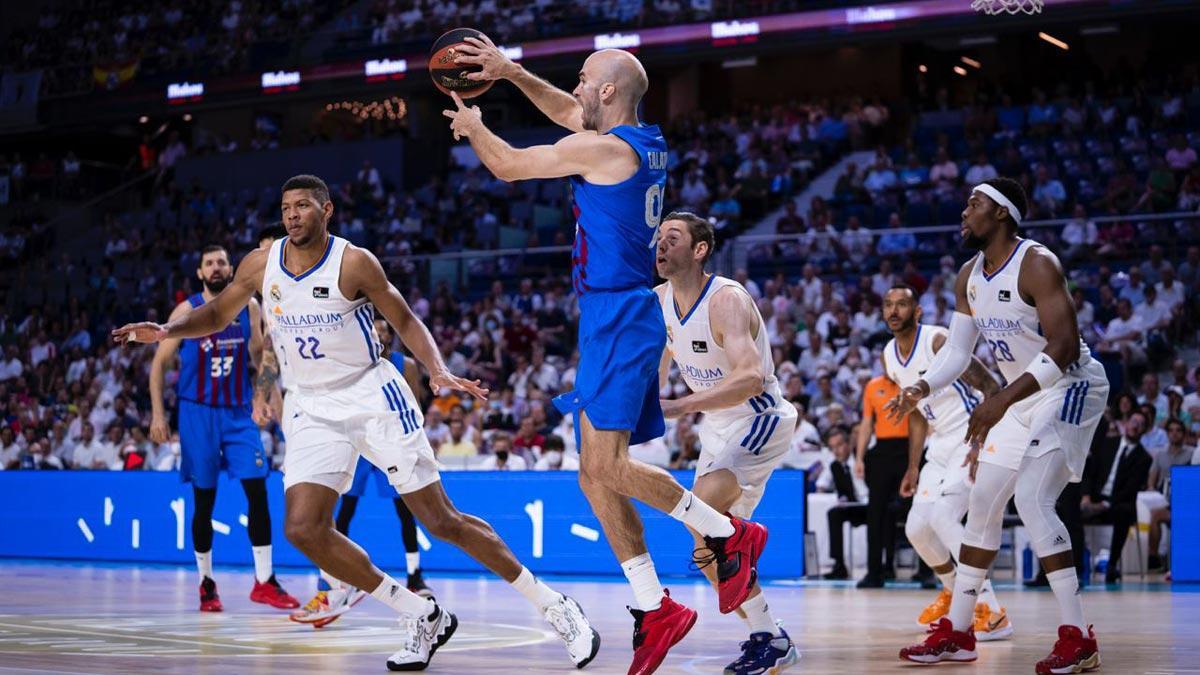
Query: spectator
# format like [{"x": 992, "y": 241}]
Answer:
[
  {"x": 980, "y": 171},
  {"x": 944, "y": 173},
  {"x": 896, "y": 244},
  {"x": 10, "y": 450},
  {"x": 456, "y": 445},
  {"x": 91, "y": 453},
  {"x": 840, "y": 477},
  {"x": 528, "y": 443},
  {"x": 503, "y": 458},
  {"x": 1179, "y": 156},
  {"x": 38, "y": 458},
  {"x": 881, "y": 179},
  {"x": 1124, "y": 336},
  {"x": 1176, "y": 454},
  {"x": 858, "y": 243},
  {"x": 13, "y": 367},
  {"x": 790, "y": 222},
  {"x": 1080, "y": 235},
  {"x": 1112, "y": 478},
  {"x": 554, "y": 457},
  {"x": 1048, "y": 192},
  {"x": 1154, "y": 437}
]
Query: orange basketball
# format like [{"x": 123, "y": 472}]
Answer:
[{"x": 449, "y": 76}]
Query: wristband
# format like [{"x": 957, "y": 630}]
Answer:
[{"x": 1044, "y": 370}]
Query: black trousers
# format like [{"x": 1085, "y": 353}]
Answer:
[
  {"x": 886, "y": 464},
  {"x": 1121, "y": 516},
  {"x": 854, "y": 513}
]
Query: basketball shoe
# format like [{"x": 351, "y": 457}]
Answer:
[
  {"x": 764, "y": 654},
  {"x": 937, "y": 609},
  {"x": 1073, "y": 653},
  {"x": 416, "y": 584},
  {"x": 943, "y": 644},
  {"x": 209, "y": 600},
  {"x": 423, "y": 635},
  {"x": 736, "y": 557},
  {"x": 656, "y": 631},
  {"x": 326, "y": 606},
  {"x": 989, "y": 625},
  {"x": 271, "y": 593},
  {"x": 567, "y": 619}
]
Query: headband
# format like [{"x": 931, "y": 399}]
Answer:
[{"x": 1000, "y": 199}]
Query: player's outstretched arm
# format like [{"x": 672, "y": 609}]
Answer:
[
  {"x": 977, "y": 375},
  {"x": 160, "y": 431},
  {"x": 918, "y": 429},
  {"x": 264, "y": 384},
  {"x": 601, "y": 159},
  {"x": 209, "y": 317},
  {"x": 365, "y": 276},
  {"x": 733, "y": 317},
  {"x": 560, "y": 106}
]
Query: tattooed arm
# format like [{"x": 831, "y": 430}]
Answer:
[
  {"x": 265, "y": 382},
  {"x": 976, "y": 375}
]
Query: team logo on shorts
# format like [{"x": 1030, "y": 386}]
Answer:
[
  {"x": 1034, "y": 443},
  {"x": 275, "y": 294},
  {"x": 392, "y": 469}
]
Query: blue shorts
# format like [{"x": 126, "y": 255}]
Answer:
[
  {"x": 621, "y": 340},
  {"x": 362, "y": 475},
  {"x": 212, "y": 438}
]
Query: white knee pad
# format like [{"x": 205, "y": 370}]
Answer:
[
  {"x": 920, "y": 533},
  {"x": 994, "y": 486},
  {"x": 1041, "y": 481},
  {"x": 946, "y": 521}
]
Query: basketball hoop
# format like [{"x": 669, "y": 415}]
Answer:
[{"x": 1009, "y": 6}]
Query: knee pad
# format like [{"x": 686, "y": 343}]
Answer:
[
  {"x": 920, "y": 533},
  {"x": 1047, "y": 533},
  {"x": 985, "y": 521},
  {"x": 946, "y": 521}
]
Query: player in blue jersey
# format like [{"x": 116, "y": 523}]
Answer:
[
  {"x": 216, "y": 432},
  {"x": 617, "y": 170}
]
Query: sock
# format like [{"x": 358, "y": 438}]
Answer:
[
  {"x": 987, "y": 595},
  {"x": 647, "y": 592},
  {"x": 397, "y": 596},
  {"x": 758, "y": 615},
  {"x": 701, "y": 517},
  {"x": 948, "y": 579},
  {"x": 412, "y": 561},
  {"x": 262, "y": 563},
  {"x": 1065, "y": 585},
  {"x": 966, "y": 594},
  {"x": 204, "y": 564},
  {"x": 541, "y": 595},
  {"x": 328, "y": 580}
]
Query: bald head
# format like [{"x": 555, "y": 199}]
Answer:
[
  {"x": 611, "y": 85},
  {"x": 624, "y": 71}
]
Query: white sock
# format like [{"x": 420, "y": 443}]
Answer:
[
  {"x": 329, "y": 579},
  {"x": 1065, "y": 585},
  {"x": 948, "y": 579},
  {"x": 647, "y": 592},
  {"x": 397, "y": 596},
  {"x": 262, "y": 562},
  {"x": 412, "y": 561},
  {"x": 541, "y": 595},
  {"x": 758, "y": 615},
  {"x": 966, "y": 594},
  {"x": 701, "y": 517},
  {"x": 204, "y": 564},
  {"x": 987, "y": 595}
]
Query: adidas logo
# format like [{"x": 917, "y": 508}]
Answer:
[
  {"x": 971, "y": 592},
  {"x": 1059, "y": 540},
  {"x": 393, "y": 590}
]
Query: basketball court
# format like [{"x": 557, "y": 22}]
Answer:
[{"x": 72, "y": 618}]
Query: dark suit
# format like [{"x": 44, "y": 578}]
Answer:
[
  {"x": 849, "y": 509},
  {"x": 1132, "y": 473}
]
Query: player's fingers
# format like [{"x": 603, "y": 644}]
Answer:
[
  {"x": 457, "y": 100},
  {"x": 450, "y": 113},
  {"x": 475, "y": 76},
  {"x": 470, "y": 48},
  {"x": 487, "y": 40}
]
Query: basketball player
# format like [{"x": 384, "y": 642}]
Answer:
[
  {"x": 617, "y": 168},
  {"x": 940, "y": 490},
  {"x": 344, "y": 401},
  {"x": 334, "y": 598},
  {"x": 719, "y": 342},
  {"x": 215, "y": 428},
  {"x": 1032, "y": 437}
]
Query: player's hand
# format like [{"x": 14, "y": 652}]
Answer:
[
  {"x": 477, "y": 52},
  {"x": 908, "y": 485},
  {"x": 451, "y": 381},
  {"x": 972, "y": 460},
  {"x": 146, "y": 331},
  {"x": 263, "y": 412},
  {"x": 463, "y": 120},
  {"x": 983, "y": 418},
  {"x": 672, "y": 408},
  {"x": 904, "y": 403},
  {"x": 160, "y": 431}
]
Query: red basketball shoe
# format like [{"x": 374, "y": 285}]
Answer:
[
  {"x": 209, "y": 600},
  {"x": 271, "y": 593},
  {"x": 656, "y": 631},
  {"x": 1073, "y": 653},
  {"x": 736, "y": 557},
  {"x": 943, "y": 644}
]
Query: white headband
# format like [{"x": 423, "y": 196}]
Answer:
[{"x": 1000, "y": 199}]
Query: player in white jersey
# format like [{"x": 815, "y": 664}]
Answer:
[
  {"x": 343, "y": 401},
  {"x": 939, "y": 489},
  {"x": 1031, "y": 438},
  {"x": 719, "y": 342}
]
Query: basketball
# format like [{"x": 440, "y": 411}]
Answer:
[{"x": 449, "y": 76}]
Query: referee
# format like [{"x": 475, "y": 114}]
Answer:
[{"x": 884, "y": 466}]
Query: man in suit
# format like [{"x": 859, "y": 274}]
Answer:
[
  {"x": 1114, "y": 474},
  {"x": 840, "y": 479}
]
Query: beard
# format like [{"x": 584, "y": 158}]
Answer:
[
  {"x": 591, "y": 113},
  {"x": 973, "y": 242},
  {"x": 216, "y": 285}
]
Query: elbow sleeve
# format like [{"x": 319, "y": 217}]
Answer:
[{"x": 955, "y": 355}]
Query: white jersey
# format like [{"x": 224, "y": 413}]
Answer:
[
  {"x": 1005, "y": 320},
  {"x": 323, "y": 339},
  {"x": 947, "y": 410},
  {"x": 704, "y": 364}
]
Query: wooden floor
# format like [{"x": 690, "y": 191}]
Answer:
[{"x": 68, "y": 618}]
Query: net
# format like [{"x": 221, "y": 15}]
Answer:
[{"x": 1009, "y": 6}]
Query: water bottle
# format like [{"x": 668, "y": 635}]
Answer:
[
  {"x": 1027, "y": 563},
  {"x": 1102, "y": 561}
]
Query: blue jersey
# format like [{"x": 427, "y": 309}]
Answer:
[
  {"x": 617, "y": 225},
  {"x": 215, "y": 370}
]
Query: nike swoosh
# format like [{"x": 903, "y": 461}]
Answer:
[{"x": 993, "y": 625}]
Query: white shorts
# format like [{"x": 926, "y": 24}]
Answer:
[
  {"x": 376, "y": 417},
  {"x": 1063, "y": 417},
  {"x": 944, "y": 473},
  {"x": 749, "y": 447}
]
